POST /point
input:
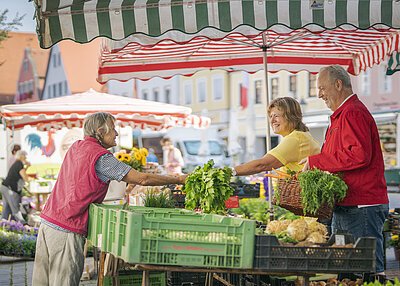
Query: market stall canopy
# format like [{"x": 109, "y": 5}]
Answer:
[
  {"x": 153, "y": 21},
  {"x": 70, "y": 111},
  {"x": 351, "y": 48},
  {"x": 393, "y": 63}
]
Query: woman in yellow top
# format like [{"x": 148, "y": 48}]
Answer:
[{"x": 297, "y": 143}]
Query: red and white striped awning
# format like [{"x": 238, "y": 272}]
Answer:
[
  {"x": 70, "y": 111},
  {"x": 354, "y": 49}
]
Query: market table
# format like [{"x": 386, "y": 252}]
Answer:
[
  {"x": 146, "y": 268},
  {"x": 41, "y": 190}
]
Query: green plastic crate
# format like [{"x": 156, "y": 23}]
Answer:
[
  {"x": 102, "y": 228},
  {"x": 135, "y": 279},
  {"x": 199, "y": 240},
  {"x": 176, "y": 237},
  {"x": 116, "y": 231},
  {"x": 98, "y": 224}
]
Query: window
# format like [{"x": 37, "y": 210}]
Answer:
[
  {"x": 54, "y": 90},
  {"x": 26, "y": 65},
  {"x": 312, "y": 85},
  {"x": 201, "y": 90},
  {"x": 30, "y": 86},
  {"x": 144, "y": 94},
  {"x": 167, "y": 92},
  {"x": 60, "y": 89},
  {"x": 187, "y": 91},
  {"x": 258, "y": 91},
  {"x": 293, "y": 85},
  {"x": 65, "y": 87},
  {"x": 192, "y": 147},
  {"x": 274, "y": 87},
  {"x": 54, "y": 60},
  {"x": 365, "y": 77},
  {"x": 155, "y": 94},
  {"x": 386, "y": 86},
  {"x": 59, "y": 59},
  {"x": 217, "y": 89},
  {"x": 49, "y": 91}
]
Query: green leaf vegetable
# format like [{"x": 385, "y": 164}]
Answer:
[
  {"x": 254, "y": 208},
  {"x": 208, "y": 188},
  {"x": 158, "y": 200},
  {"x": 319, "y": 188}
]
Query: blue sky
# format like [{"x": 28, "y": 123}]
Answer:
[{"x": 21, "y": 7}]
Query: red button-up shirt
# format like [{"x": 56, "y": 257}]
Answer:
[{"x": 352, "y": 146}]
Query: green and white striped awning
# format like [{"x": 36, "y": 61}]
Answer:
[
  {"x": 153, "y": 20},
  {"x": 393, "y": 63}
]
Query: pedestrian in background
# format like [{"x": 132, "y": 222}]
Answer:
[
  {"x": 173, "y": 160},
  {"x": 151, "y": 157},
  {"x": 352, "y": 148},
  {"x": 12, "y": 158},
  {"x": 11, "y": 187}
]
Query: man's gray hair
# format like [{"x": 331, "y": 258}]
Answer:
[
  {"x": 20, "y": 153},
  {"x": 96, "y": 121},
  {"x": 337, "y": 72}
]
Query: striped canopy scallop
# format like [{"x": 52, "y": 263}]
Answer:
[
  {"x": 299, "y": 50},
  {"x": 155, "y": 20}
]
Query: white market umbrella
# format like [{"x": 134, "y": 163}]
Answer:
[{"x": 70, "y": 111}]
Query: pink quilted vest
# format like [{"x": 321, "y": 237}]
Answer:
[{"x": 77, "y": 187}]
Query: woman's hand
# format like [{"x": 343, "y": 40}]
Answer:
[{"x": 306, "y": 166}]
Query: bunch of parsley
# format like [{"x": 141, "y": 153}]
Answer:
[
  {"x": 319, "y": 188},
  {"x": 208, "y": 188}
]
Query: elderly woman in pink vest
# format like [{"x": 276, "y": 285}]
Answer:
[{"x": 85, "y": 174}]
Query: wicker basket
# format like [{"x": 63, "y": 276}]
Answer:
[{"x": 290, "y": 199}]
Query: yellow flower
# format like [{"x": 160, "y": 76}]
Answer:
[
  {"x": 120, "y": 156},
  {"x": 143, "y": 161},
  {"x": 127, "y": 157},
  {"x": 134, "y": 149},
  {"x": 395, "y": 237},
  {"x": 144, "y": 152},
  {"x": 138, "y": 156}
]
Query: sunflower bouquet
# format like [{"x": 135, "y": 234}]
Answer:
[{"x": 136, "y": 158}]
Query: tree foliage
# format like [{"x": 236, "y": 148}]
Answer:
[{"x": 7, "y": 25}]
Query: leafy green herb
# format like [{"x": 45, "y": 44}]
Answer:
[
  {"x": 208, "y": 188},
  {"x": 318, "y": 188},
  {"x": 158, "y": 200},
  {"x": 254, "y": 208}
]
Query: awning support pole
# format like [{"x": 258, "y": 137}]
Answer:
[{"x": 267, "y": 133}]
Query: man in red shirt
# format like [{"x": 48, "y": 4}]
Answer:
[{"x": 352, "y": 148}]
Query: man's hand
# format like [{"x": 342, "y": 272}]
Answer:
[{"x": 306, "y": 166}]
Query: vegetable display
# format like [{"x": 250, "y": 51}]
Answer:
[
  {"x": 303, "y": 231},
  {"x": 208, "y": 188},
  {"x": 320, "y": 187}
]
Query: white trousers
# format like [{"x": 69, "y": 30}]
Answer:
[{"x": 59, "y": 258}]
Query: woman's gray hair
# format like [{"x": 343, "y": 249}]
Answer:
[
  {"x": 336, "y": 72},
  {"x": 20, "y": 153},
  {"x": 95, "y": 122}
]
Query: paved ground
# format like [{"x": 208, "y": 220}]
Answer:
[{"x": 16, "y": 272}]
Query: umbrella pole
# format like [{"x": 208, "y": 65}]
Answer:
[{"x": 268, "y": 132}]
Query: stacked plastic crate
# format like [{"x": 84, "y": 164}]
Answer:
[{"x": 172, "y": 236}]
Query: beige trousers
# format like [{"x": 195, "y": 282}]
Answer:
[{"x": 59, "y": 258}]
